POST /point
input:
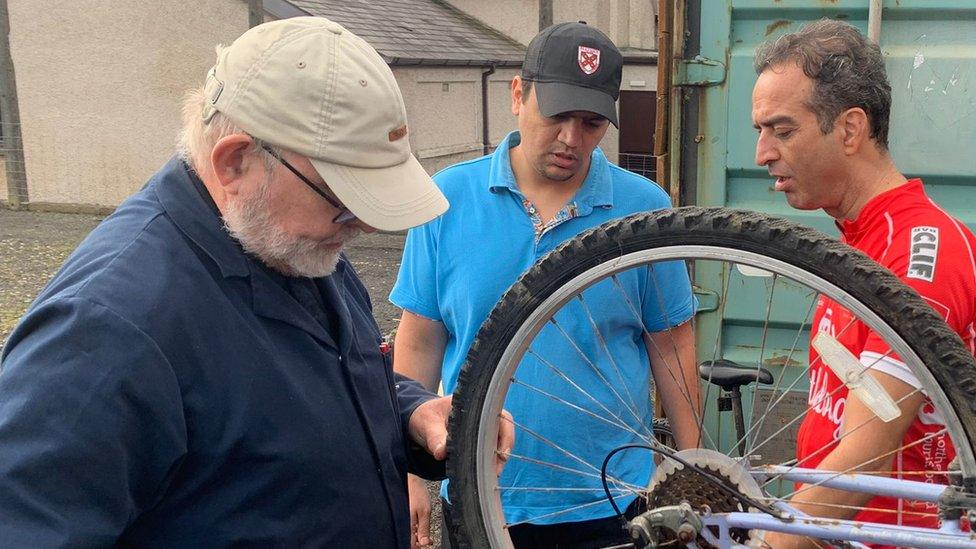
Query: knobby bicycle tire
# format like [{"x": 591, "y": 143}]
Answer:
[{"x": 938, "y": 347}]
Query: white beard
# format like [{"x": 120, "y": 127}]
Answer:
[{"x": 248, "y": 220}]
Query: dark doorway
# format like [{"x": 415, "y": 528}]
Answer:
[{"x": 638, "y": 110}]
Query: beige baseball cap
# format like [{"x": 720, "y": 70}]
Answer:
[{"x": 308, "y": 85}]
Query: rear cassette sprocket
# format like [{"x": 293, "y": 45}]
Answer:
[{"x": 673, "y": 483}]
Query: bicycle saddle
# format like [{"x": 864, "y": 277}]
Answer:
[{"x": 727, "y": 374}]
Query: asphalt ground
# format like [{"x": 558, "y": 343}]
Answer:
[{"x": 33, "y": 245}]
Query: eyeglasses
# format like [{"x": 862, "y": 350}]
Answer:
[{"x": 345, "y": 215}]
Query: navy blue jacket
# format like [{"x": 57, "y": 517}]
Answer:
[{"x": 163, "y": 390}]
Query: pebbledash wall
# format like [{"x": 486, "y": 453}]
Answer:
[
  {"x": 99, "y": 87},
  {"x": 444, "y": 111},
  {"x": 100, "y": 84}
]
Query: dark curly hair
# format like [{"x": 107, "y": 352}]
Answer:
[{"x": 847, "y": 71}]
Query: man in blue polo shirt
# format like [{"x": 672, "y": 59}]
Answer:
[{"x": 546, "y": 183}]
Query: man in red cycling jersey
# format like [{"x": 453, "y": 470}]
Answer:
[{"x": 821, "y": 107}]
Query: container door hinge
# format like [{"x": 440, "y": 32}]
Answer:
[
  {"x": 707, "y": 299},
  {"x": 699, "y": 71}
]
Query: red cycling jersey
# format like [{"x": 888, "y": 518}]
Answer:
[{"x": 904, "y": 231}]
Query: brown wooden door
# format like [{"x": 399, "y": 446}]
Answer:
[{"x": 637, "y": 114}]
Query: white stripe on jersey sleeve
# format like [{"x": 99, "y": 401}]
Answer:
[{"x": 893, "y": 367}]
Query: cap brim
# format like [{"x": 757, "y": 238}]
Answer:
[
  {"x": 557, "y": 97},
  {"x": 391, "y": 199}
]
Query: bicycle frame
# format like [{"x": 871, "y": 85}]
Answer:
[
  {"x": 906, "y": 536},
  {"x": 949, "y": 535}
]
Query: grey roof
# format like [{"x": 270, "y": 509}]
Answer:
[{"x": 413, "y": 32}]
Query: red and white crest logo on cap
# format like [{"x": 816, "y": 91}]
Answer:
[{"x": 588, "y": 59}]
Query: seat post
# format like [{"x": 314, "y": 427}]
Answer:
[{"x": 740, "y": 425}]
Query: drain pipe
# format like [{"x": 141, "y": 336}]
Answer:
[
  {"x": 874, "y": 21},
  {"x": 255, "y": 13},
  {"x": 485, "y": 140},
  {"x": 662, "y": 136},
  {"x": 545, "y": 13}
]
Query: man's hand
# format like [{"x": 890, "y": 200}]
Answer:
[
  {"x": 419, "y": 512},
  {"x": 428, "y": 428}
]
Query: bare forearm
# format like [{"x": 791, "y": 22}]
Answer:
[
  {"x": 673, "y": 364},
  {"x": 419, "y": 349},
  {"x": 849, "y": 456},
  {"x": 866, "y": 444}
]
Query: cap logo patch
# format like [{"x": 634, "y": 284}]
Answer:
[
  {"x": 398, "y": 133},
  {"x": 588, "y": 59}
]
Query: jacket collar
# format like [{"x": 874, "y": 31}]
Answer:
[
  {"x": 174, "y": 185},
  {"x": 272, "y": 300}
]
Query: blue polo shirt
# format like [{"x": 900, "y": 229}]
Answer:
[{"x": 456, "y": 268}]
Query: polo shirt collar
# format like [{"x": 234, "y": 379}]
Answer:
[
  {"x": 596, "y": 190},
  {"x": 175, "y": 186}
]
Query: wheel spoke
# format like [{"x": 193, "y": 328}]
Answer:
[
  {"x": 744, "y": 437},
  {"x": 556, "y": 513},
  {"x": 558, "y": 467},
  {"x": 715, "y": 349},
  {"x": 613, "y": 363},
  {"x": 801, "y": 415},
  {"x": 873, "y": 418},
  {"x": 619, "y": 424},
  {"x": 854, "y": 468},
  {"x": 694, "y": 402},
  {"x": 565, "y": 452},
  {"x": 757, "y": 427},
  {"x": 593, "y": 367},
  {"x": 699, "y": 417}
]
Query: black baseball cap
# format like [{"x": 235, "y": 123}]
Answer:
[{"x": 574, "y": 67}]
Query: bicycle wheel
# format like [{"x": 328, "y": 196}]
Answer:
[{"x": 542, "y": 340}]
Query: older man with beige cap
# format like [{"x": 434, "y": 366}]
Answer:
[{"x": 205, "y": 369}]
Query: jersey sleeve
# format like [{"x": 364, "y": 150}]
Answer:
[
  {"x": 91, "y": 426},
  {"x": 416, "y": 286},
  {"x": 936, "y": 260}
]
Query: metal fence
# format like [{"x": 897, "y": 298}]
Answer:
[
  {"x": 639, "y": 163},
  {"x": 13, "y": 174}
]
